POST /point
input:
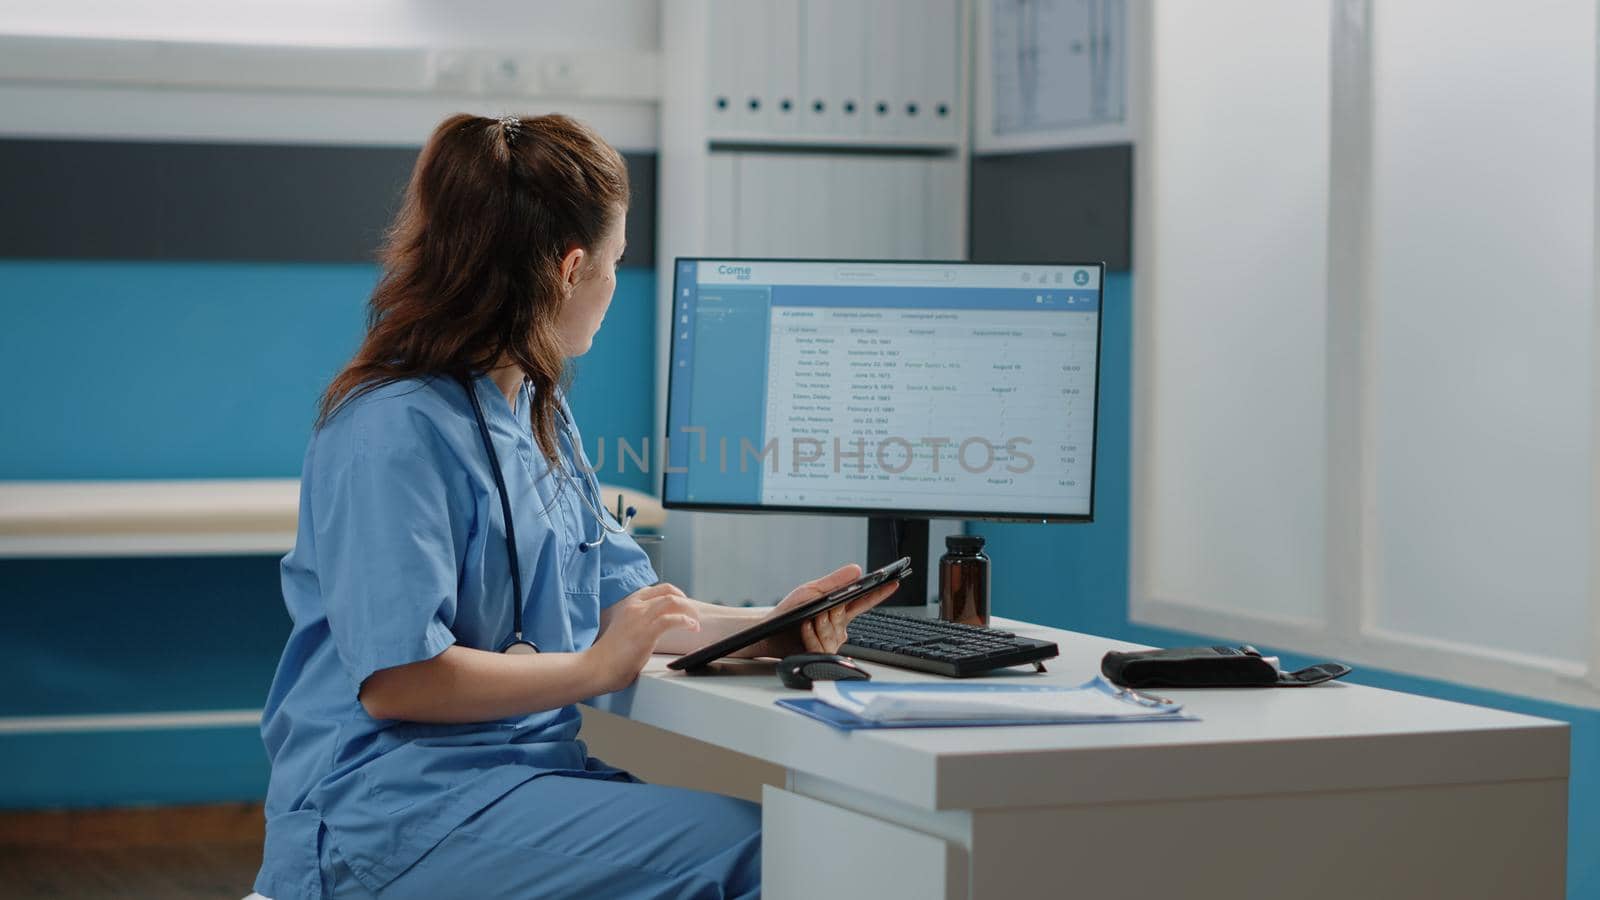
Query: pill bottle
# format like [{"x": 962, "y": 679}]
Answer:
[{"x": 964, "y": 581}]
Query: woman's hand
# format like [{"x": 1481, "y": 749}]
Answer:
[
  {"x": 629, "y": 631},
  {"x": 825, "y": 631}
]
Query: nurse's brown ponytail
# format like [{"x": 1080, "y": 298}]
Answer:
[{"x": 472, "y": 263}]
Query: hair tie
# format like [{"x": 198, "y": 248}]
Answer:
[{"x": 510, "y": 125}]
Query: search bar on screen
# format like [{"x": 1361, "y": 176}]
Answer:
[{"x": 921, "y": 274}]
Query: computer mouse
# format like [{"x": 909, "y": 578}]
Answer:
[{"x": 799, "y": 670}]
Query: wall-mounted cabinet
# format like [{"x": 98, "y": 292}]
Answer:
[{"x": 835, "y": 71}]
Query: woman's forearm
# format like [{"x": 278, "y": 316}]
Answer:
[{"x": 466, "y": 685}]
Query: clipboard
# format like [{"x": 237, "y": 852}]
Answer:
[{"x": 843, "y": 721}]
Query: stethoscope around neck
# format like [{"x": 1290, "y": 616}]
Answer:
[{"x": 516, "y": 643}]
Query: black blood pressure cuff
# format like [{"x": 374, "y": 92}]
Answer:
[{"x": 1241, "y": 666}]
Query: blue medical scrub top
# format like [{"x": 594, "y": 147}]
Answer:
[{"x": 401, "y": 553}]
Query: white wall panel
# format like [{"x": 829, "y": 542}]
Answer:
[
  {"x": 1233, "y": 283},
  {"x": 64, "y": 111},
  {"x": 785, "y": 27},
  {"x": 174, "y": 106},
  {"x": 1483, "y": 239},
  {"x": 945, "y": 226},
  {"x": 722, "y": 204},
  {"x": 624, "y": 24},
  {"x": 884, "y": 70},
  {"x": 1410, "y": 431}
]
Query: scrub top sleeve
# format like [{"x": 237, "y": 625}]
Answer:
[
  {"x": 624, "y": 567},
  {"x": 386, "y": 556}
]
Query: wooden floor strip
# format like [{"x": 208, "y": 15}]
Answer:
[
  {"x": 206, "y": 871},
  {"x": 110, "y": 829}
]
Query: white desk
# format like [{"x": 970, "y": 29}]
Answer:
[{"x": 1335, "y": 791}]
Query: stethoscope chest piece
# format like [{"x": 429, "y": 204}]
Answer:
[{"x": 515, "y": 647}]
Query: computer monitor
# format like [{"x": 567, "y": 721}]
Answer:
[{"x": 901, "y": 391}]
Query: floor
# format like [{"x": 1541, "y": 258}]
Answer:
[
  {"x": 213, "y": 851},
  {"x": 173, "y": 853}
]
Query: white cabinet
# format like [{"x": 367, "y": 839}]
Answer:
[{"x": 873, "y": 71}]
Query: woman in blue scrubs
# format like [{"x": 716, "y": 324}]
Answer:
[{"x": 411, "y": 757}]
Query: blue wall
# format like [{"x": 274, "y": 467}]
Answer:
[
  {"x": 1076, "y": 577},
  {"x": 213, "y": 370},
  {"x": 189, "y": 370}
]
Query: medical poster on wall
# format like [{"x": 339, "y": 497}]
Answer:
[{"x": 1053, "y": 73}]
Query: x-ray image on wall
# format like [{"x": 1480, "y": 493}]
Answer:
[{"x": 1057, "y": 64}]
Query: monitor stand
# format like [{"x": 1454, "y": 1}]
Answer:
[{"x": 888, "y": 539}]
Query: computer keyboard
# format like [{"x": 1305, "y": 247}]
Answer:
[{"x": 943, "y": 648}]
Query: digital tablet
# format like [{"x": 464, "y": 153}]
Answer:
[{"x": 893, "y": 572}]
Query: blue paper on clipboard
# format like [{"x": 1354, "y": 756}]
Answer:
[{"x": 852, "y": 705}]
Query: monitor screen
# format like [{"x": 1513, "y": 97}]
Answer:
[{"x": 938, "y": 389}]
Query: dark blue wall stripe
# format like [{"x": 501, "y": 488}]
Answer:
[
  {"x": 1055, "y": 204},
  {"x": 139, "y": 635},
  {"x": 232, "y": 202}
]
